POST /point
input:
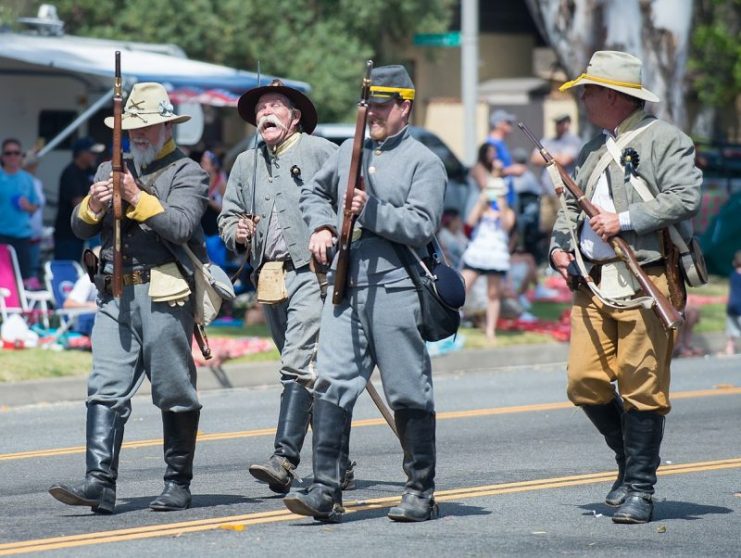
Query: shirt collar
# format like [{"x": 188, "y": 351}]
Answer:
[
  {"x": 289, "y": 142},
  {"x": 392, "y": 141}
]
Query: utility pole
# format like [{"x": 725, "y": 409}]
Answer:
[{"x": 469, "y": 75}]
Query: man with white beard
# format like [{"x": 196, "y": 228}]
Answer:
[
  {"x": 261, "y": 214},
  {"x": 148, "y": 329}
]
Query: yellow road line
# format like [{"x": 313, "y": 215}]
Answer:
[
  {"x": 276, "y": 516},
  {"x": 448, "y": 415}
]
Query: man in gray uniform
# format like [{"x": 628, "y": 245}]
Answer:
[
  {"x": 261, "y": 212},
  {"x": 135, "y": 334},
  {"x": 376, "y": 323}
]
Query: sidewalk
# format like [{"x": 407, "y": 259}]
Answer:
[{"x": 55, "y": 390}]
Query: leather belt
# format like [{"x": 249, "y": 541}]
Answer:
[
  {"x": 596, "y": 271},
  {"x": 136, "y": 277}
]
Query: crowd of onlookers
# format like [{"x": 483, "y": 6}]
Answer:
[
  {"x": 502, "y": 238},
  {"x": 499, "y": 241}
]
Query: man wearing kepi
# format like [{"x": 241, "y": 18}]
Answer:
[
  {"x": 376, "y": 322},
  {"x": 148, "y": 329},
  {"x": 261, "y": 213},
  {"x": 640, "y": 173}
]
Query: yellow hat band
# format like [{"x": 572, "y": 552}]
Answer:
[
  {"x": 598, "y": 79},
  {"x": 383, "y": 91}
]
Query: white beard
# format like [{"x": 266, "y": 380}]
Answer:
[{"x": 144, "y": 156}]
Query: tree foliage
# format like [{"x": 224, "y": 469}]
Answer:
[
  {"x": 715, "y": 64},
  {"x": 322, "y": 42}
]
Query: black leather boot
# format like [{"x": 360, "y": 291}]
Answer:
[
  {"x": 293, "y": 422},
  {"x": 347, "y": 466},
  {"x": 179, "y": 440},
  {"x": 642, "y": 432},
  {"x": 323, "y": 499},
  {"x": 608, "y": 420},
  {"x": 105, "y": 429},
  {"x": 417, "y": 434}
]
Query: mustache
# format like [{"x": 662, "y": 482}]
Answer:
[{"x": 270, "y": 119}]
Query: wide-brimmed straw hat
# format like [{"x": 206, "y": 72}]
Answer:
[
  {"x": 248, "y": 102},
  {"x": 615, "y": 70},
  {"x": 148, "y": 104}
]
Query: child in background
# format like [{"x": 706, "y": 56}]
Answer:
[{"x": 733, "y": 310}]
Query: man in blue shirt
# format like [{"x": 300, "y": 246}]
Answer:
[
  {"x": 501, "y": 124},
  {"x": 18, "y": 201}
]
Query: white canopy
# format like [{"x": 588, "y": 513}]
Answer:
[{"x": 166, "y": 64}]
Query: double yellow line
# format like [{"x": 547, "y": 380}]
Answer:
[
  {"x": 449, "y": 415},
  {"x": 240, "y": 522}
]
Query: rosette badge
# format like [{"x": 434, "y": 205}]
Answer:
[{"x": 629, "y": 159}]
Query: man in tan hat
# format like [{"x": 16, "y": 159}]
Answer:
[
  {"x": 148, "y": 329},
  {"x": 640, "y": 173},
  {"x": 261, "y": 214}
]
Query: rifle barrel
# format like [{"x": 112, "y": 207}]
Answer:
[{"x": 117, "y": 168}]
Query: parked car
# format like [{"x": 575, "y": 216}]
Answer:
[{"x": 460, "y": 186}]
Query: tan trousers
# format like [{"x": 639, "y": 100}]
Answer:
[{"x": 628, "y": 346}]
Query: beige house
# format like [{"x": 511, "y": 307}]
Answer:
[{"x": 516, "y": 73}]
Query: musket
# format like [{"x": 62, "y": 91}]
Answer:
[
  {"x": 669, "y": 316},
  {"x": 117, "y": 167},
  {"x": 354, "y": 181},
  {"x": 385, "y": 411}
]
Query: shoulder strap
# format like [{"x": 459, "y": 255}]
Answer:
[{"x": 614, "y": 149}]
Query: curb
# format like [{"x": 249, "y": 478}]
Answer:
[{"x": 265, "y": 374}]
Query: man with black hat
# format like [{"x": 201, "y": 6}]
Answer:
[
  {"x": 376, "y": 322},
  {"x": 74, "y": 185},
  {"x": 261, "y": 214},
  {"x": 148, "y": 329},
  {"x": 640, "y": 173}
]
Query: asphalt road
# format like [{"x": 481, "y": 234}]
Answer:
[{"x": 520, "y": 472}]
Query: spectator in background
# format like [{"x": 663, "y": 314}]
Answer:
[
  {"x": 488, "y": 252},
  {"x": 84, "y": 294},
  {"x": 18, "y": 202},
  {"x": 74, "y": 184},
  {"x": 30, "y": 165},
  {"x": 452, "y": 238},
  {"x": 528, "y": 190},
  {"x": 683, "y": 346},
  {"x": 733, "y": 310},
  {"x": 501, "y": 124},
  {"x": 216, "y": 188},
  {"x": 564, "y": 147}
]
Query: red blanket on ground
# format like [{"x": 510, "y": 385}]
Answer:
[{"x": 225, "y": 348}]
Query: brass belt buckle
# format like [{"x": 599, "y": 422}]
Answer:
[{"x": 357, "y": 234}]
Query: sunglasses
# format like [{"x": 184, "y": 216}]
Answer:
[{"x": 11, "y": 153}]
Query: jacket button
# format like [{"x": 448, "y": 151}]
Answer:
[{"x": 378, "y": 152}]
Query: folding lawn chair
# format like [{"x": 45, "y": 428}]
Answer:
[{"x": 14, "y": 298}]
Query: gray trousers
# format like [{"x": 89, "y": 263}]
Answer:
[
  {"x": 374, "y": 325},
  {"x": 294, "y": 326},
  {"x": 134, "y": 336}
]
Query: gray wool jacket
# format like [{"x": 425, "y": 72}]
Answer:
[
  {"x": 279, "y": 182},
  {"x": 406, "y": 184},
  {"x": 181, "y": 186},
  {"x": 666, "y": 164}
]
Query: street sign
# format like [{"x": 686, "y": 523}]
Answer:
[{"x": 452, "y": 39}]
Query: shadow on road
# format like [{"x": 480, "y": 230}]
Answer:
[
  {"x": 199, "y": 501},
  {"x": 663, "y": 510}
]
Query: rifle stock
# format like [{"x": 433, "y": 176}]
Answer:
[
  {"x": 664, "y": 309},
  {"x": 117, "y": 167},
  {"x": 354, "y": 180}
]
